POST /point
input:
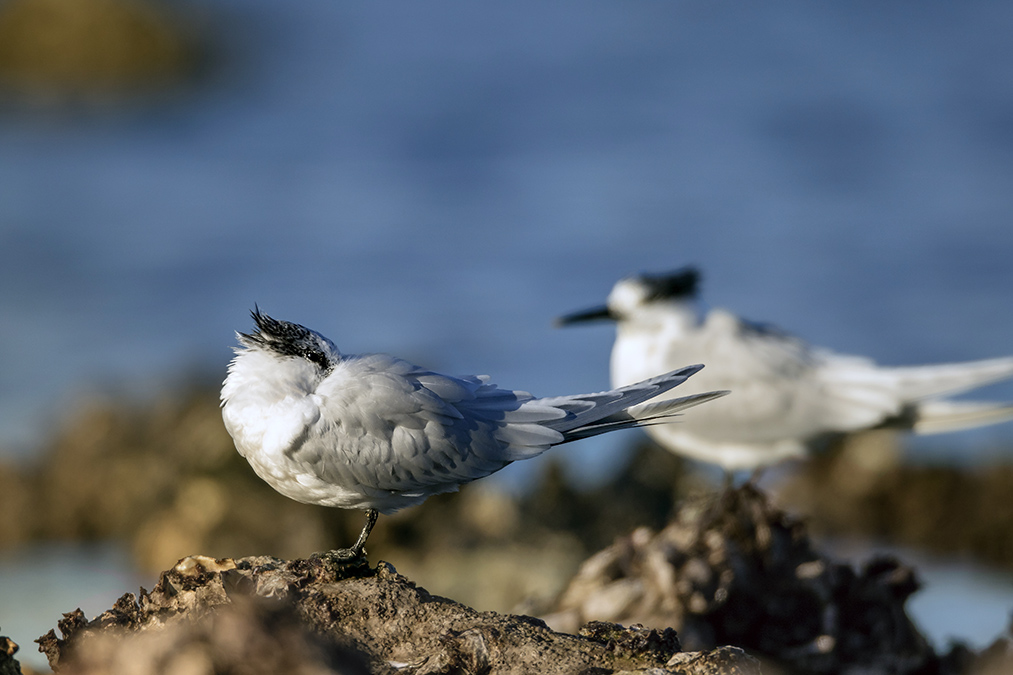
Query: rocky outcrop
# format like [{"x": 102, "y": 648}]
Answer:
[
  {"x": 730, "y": 570},
  {"x": 736, "y": 570},
  {"x": 266, "y": 615},
  {"x": 8, "y": 664}
]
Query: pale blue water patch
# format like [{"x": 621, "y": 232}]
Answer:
[
  {"x": 440, "y": 181},
  {"x": 959, "y": 599},
  {"x": 39, "y": 583},
  {"x": 962, "y": 601}
]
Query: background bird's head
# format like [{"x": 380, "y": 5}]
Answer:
[
  {"x": 632, "y": 294},
  {"x": 640, "y": 290}
]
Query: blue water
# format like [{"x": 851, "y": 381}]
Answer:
[
  {"x": 439, "y": 180},
  {"x": 958, "y": 599},
  {"x": 38, "y": 584}
]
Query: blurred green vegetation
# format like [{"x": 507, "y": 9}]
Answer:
[{"x": 59, "y": 49}]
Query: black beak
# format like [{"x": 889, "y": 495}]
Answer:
[{"x": 596, "y": 314}]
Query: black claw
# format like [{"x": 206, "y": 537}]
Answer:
[{"x": 356, "y": 552}]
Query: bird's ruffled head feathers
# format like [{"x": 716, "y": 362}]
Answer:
[{"x": 284, "y": 338}]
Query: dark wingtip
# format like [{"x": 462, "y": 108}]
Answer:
[{"x": 693, "y": 369}]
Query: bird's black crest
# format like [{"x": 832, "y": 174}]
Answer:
[
  {"x": 683, "y": 282},
  {"x": 287, "y": 338}
]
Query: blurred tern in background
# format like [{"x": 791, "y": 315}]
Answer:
[
  {"x": 377, "y": 433},
  {"x": 786, "y": 394}
]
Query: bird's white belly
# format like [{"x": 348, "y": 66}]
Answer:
[
  {"x": 757, "y": 424},
  {"x": 269, "y": 436},
  {"x": 301, "y": 483}
]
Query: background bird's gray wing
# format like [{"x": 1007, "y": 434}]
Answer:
[{"x": 773, "y": 376}]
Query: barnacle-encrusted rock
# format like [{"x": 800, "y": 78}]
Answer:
[
  {"x": 266, "y": 615},
  {"x": 736, "y": 570}
]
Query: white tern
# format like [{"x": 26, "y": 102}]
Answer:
[{"x": 786, "y": 393}]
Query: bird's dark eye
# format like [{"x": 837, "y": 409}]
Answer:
[
  {"x": 316, "y": 356},
  {"x": 288, "y": 339}
]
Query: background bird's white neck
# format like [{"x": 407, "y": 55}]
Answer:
[{"x": 642, "y": 340}]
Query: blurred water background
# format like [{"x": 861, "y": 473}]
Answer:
[{"x": 439, "y": 180}]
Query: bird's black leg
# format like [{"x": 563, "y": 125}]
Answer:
[
  {"x": 343, "y": 556},
  {"x": 360, "y": 545}
]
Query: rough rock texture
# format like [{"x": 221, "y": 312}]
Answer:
[
  {"x": 261, "y": 615},
  {"x": 736, "y": 570}
]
